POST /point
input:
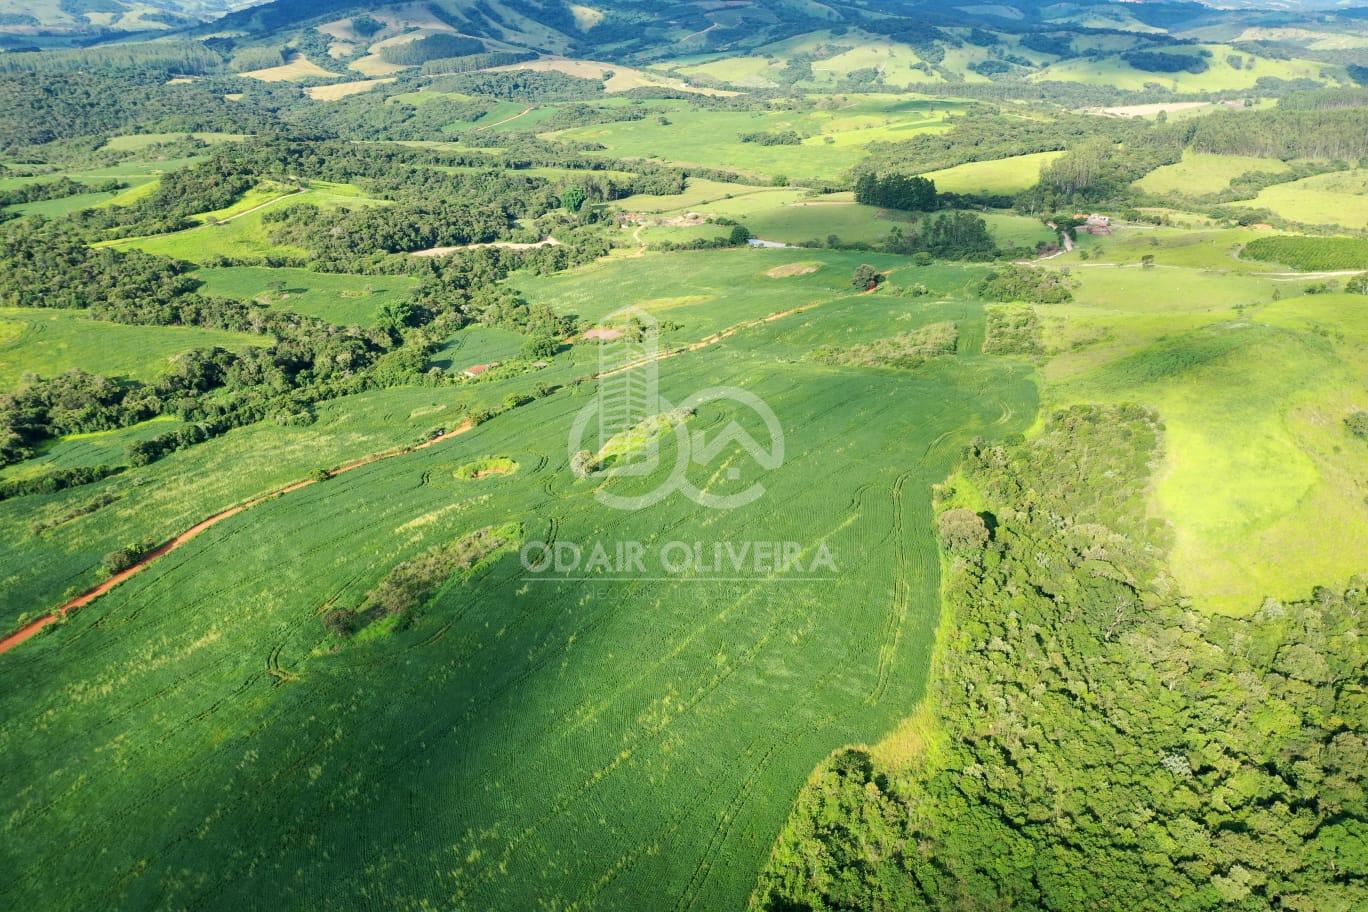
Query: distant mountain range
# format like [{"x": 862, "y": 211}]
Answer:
[
  {"x": 623, "y": 26},
  {"x": 38, "y": 18}
]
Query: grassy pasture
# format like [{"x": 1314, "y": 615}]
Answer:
[
  {"x": 1200, "y": 173},
  {"x": 897, "y": 63},
  {"x": 424, "y": 96},
  {"x": 815, "y": 220},
  {"x": 261, "y": 195},
  {"x": 1206, "y": 248},
  {"x": 895, "y": 60},
  {"x": 620, "y": 78},
  {"x": 296, "y": 68},
  {"x": 1010, "y": 229},
  {"x": 55, "y": 208},
  {"x": 743, "y": 72},
  {"x": 700, "y": 191},
  {"x": 338, "y": 298},
  {"x": 683, "y": 235},
  {"x": 854, "y": 222},
  {"x": 794, "y": 217},
  {"x": 139, "y": 174},
  {"x": 1336, "y": 198},
  {"x": 246, "y": 233},
  {"x": 1219, "y": 76},
  {"x": 133, "y": 194},
  {"x": 670, "y": 720},
  {"x": 1259, "y": 481},
  {"x": 712, "y": 138},
  {"x": 137, "y": 141},
  {"x": 1004, "y": 175},
  {"x": 1119, "y": 309},
  {"x": 48, "y": 342}
]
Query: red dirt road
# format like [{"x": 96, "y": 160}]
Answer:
[{"x": 33, "y": 627}]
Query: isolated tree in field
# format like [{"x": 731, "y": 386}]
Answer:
[
  {"x": 866, "y": 277},
  {"x": 740, "y": 234}
]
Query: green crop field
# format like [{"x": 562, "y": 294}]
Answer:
[
  {"x": 90, "y": 449},
  {"x": 709, "y": 291},
  {"x": 338, "y": 298},
  {"x": 474, "y": 345},
  {"x": 49, "y": 342},
  {"x": 608, "y": 556},
  {"x": 611, "y": 733},
  {"x": 168, "y": 497}
]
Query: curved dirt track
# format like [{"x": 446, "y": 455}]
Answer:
[{"x": 32, "y": 628}]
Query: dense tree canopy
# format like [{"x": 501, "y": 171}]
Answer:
[{"x": 1100, "y": 744}]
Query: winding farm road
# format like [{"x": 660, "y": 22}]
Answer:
[{"x": 33, "y": 627}]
